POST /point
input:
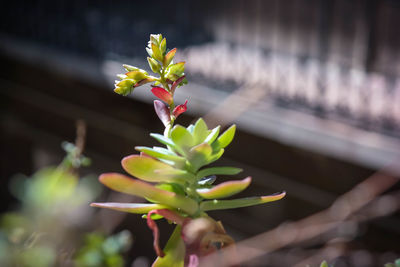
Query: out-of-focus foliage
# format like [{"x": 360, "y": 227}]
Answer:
[
  {"x": 47, "y": 229},
  {"x": 100, "y": 250},
  {"x": 396, "y": 263}
]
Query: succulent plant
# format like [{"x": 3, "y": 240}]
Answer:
[{"x": 175, "y": 178}]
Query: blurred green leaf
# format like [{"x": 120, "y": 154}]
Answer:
[
  {"x": 137, "y": 75},
  {"x": 225, "y": 189},
  {"x": 162, "y": 153},
  {"x": 154, "y": 65},
  {"x": 199, "y": 156},
  {"x": 129, "y": 67},
  {"x": 182, "y": 138},
  {"x": 124, "y": 87},
  {"x": 166, "y": 141},
  {"x": 218, "y": 171},
  {"x": 238, "y": 203},
  {"x": 156, "y": 52},
  {"x": 177, "y": 175},
  {"x": 175, "y": 71},
  {"x": 324, "y": 264},
  {"x": 163, "y": 46},
  {"x": 212, "y": 135},
  {"x": 216, "y": 156},
  {"x": 151, "y": 170},
  {"x": 124, "y": 184},
  {"x": 169, "y": 57},
  {"x": 200, "y": 131},
  {"x": 225, "y": 139},
  {"x": 172, "y": 187},
  {"x": 38, "y": 256},
  {"x": 139, "y": 208}
]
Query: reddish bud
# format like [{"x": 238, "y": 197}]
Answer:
[
  {"x": 162, "y": 94},
  {"x": 162, "y": 112},
  {"x": 180, "y": 109}
]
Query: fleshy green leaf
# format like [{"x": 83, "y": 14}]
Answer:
[
  {"x": 169, "y": 56},
  {"x": 225, "y": 139},
  {"x": 129, "y": 67},
  {"x": 225, "y": 189},
  {"x": 172, "y": 187},
  {"x": 324, "y": 264},
  {"x": 136, "y": 75},
  {"x": 166, "y": 141},
  {"x": 199, "y": 156},
  {"x": 175, "y": 71},
  {"x": 239, "y": 203},
  {"x": 124, "y": 87},
  {"x": 138, "y": 208},
  {"x": 124, "y": 184},
  {"x": 216, "y": 156},
  {"x": 218, "y": 171},
  {"x": 174, "y": 251},
  {"x": 156, "y": 52},
  {"x": 212, "y": 135},
  {"x": 176, "y": 175},
  {"x": 161, "y": 153},
  {"x": 182, "y": 137},
  {"x": 154, "y": 65},
  {"x": 200, "y": 131},
  {"x": 163, "y": 46},
  {"x": 151, "y": 170}
]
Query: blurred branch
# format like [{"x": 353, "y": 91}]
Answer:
[
  {"x": 80, "y": 136},
  {"x": 342, "y": 210}
]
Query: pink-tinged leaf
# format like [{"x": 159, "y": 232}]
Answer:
[
  {"x": 162, "y": 94},
  {"x": 176, "y": 83},
  {"x": 169, "y": 56},
  {"x": 124, "y": 184},
  {"x": 239, "y": 203},
  {"x": 174, "y": 251},
  {"x": 178, "y": 110},
  {"x": 138, "y": 208},
  {"x": 169, "y": 215},
  {"x": 162, "y": 112},
  {"x": 152, "y": 170},
  {"x": 226, "y": 189},
  {"x": 142, "y": 154}
]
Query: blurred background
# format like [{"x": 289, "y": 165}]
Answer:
[{"x": 313, "y": 86}]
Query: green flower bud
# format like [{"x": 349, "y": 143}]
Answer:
[
  {"x": 163, "y": 46},
  {"x": 129, "y": 67},
  {"x": 137, "y": 75},
  {"x": 124, "y": 87},
  {"x": 154, "y": 65}
]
